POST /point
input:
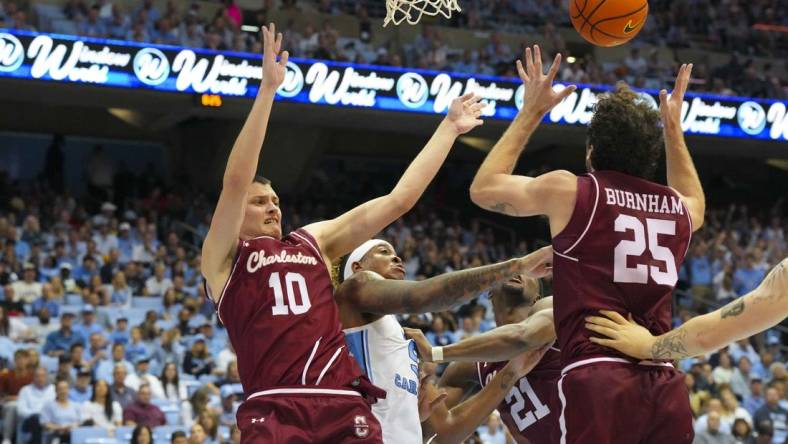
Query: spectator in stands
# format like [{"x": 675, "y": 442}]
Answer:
[
  {"x": 179, "y": 437},
  {"x": 724, "y": 372},
  {"x": 65, "y": 371},
  {"x": 184, "y": 318},
  {"x": 88, "y": 326},
  {"x": 746, "y": 278},
  {"x": 231, "y": 376},
  {"x": 96, "y": 351},
  {"x": 84, "y": 273},
  {"x": 146, "y": 251},
  {"x": 47, "y": 300},
  {"x": 30, "y": 404},
  {"x": 121, "y": 392},
  {"x": 157, "y": 284},
  {"x": 730, "y": 406},
  {"x": 229, "y": 406},
  {"x": 773, "y": 412},
  {"x": 439, "y": 337},
  {"x": 69, "y": 283},
  {"x": 742, "y": 431},
  {"x": 106, "y": 368},
  {"x": 713, "y": 405},
  {"x": 197, "y": 434},
  {"x": 198, "y": 361},
  {"x": 169, "y": 386},
  {"x": 28, "y": 289},
  {"x": 136, "y": 348},
  {"x": 120, "y": 335},
  {"x": 59, "y": 342},
  {"x": 120, "y": 291},
  {"x": 111, "y": 265},
  {"x": 149, "y": 329},
  {"x": 755, "y": 400},
  {"x": 81, "y": 391},
  {"x": 492, "y": 432},
  {"x": 170, "y": 304},
  {"x": 740, "y": 381},
  {"x": 170, "y": 349},
  {"x": 142, "y": 434},
  {"x": 13, "y": 328},
  {"x": 60, "y": 416},
  {"x": 93, "y": 25},
  {"x": 209, "y": 420},
  {"x": 118, "y": 28},
  {"x": 142, "y": 412},
  {"x": 11, "y": 382},
  {"x": 101, "y": 409},
  {"x": 11, "y": 304},
  {"x": 143, "y": 375},
  {"x": 713, "y": 434}
]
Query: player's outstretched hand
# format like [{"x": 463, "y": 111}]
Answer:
[
  {"x": 538, "y": 264},
  {"x": 539, "y": 96},
  {"x": 273, "y": 70},
  {"x": 624, "y": 335},
  {"x": 670, "y": 107},
  {"x": 430, "y": 396},
  {"x": 423, "y": 345},
  {"x": 465, "y": 112},
  {"x": 523, "y": 363}
]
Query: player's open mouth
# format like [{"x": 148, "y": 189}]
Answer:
[{"x": 270, "y": 221}]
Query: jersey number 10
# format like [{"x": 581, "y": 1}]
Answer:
[
  {"x": 644, "y": 236},
  {"x": 291, "y": 279}
]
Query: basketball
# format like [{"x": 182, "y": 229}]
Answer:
[{"x": 608, "y": 22}]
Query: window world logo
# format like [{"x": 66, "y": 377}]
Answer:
[
  {"x": 412, "y": 90},
  {"x": 294, "y": 81},
  {"x": 751, "y": 117},
  {"x": 12, "y": 53},
  {"x": 151, "y": 66}
]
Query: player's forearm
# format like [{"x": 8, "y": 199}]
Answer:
[
  {"x": 242, "y": 162},
  {"x": 423, "y": 168},
  {"x": 504, "y": 342},
  {"x": 503, "y": 156},
  {"x": 440, "y": 292},
  {"x": 681, "y": 172},
  {"x": 499, "y": 344},
  {"x": 463, "y": 419},
  {"x": 763, "y": 308}
]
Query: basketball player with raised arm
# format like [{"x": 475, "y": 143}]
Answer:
[
  {"x": 529, "y": 407},
  {"x": 618, "y": 239},
  {"x": 758, "y": 310},
  {"x": 373, "y": 290},
  {"x": 274, "y": 293}
]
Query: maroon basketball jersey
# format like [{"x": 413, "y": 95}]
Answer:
[
  {"x": 531, "y": 408},
  {"x": 279, "y": 311},
  {"x": 621, "y": 251}
]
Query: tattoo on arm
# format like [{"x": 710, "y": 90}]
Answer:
[
  {"x": 735, "y": 308},
  {"x": 506, "y": 380},
  {"x": 671, "y": 346},
  {"x": 441, "y": 292},
  {"x": 505, "y": 208}
]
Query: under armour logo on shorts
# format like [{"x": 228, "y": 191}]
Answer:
[
  {"x": 256, "y": 420},
  {"x": 362, "y": 428}
]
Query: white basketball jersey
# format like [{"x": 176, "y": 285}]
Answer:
[{"x": 390, "y": 361}]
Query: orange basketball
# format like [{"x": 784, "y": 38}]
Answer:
[{"x": 608, "y": 22}]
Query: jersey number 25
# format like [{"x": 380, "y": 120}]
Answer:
[{"x": 644, "y": 236}]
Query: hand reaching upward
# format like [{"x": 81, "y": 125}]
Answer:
[
  {"x": 273, "y": 71},
  {"x": 464, "y": 112},
  {"x": 539, "y": 97}
]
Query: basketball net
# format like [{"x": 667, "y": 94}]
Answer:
[{"x": 398, "y": 11}]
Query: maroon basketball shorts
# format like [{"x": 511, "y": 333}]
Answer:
[
  {"x": 615, "y": 401},
  {"x": 308, "y": 416}
]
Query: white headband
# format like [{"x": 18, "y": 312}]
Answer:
[{"x": 358, "y": 254}]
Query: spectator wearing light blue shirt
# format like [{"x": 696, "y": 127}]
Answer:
[
  {"x": 755, "y": 400},
  {"x": 93, "y": 25},
  {"x": 88, "y": 326},
  {"x": 47, "y": 300},
  {"x": 60, "y": 416},
  {"x": 105, "y": 368},
  {"x": 59, "y": 341},
  {"x": 700, "y": 274},
  {"x": 121, "y": 333},
  {"x": 439, "y": 336},
  {"x": 125, "y": 243},
  {"x": 136, "y": 348},
  {"x": 82, "y": 391},
  {"x": 747, "y": 278}
]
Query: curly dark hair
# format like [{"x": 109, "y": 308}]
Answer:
[{"x": 626, "y": 134}]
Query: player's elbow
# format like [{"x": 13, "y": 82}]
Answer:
[
  {"x": 481, "y": 193},
  {"x": 400, "y": 202}
]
